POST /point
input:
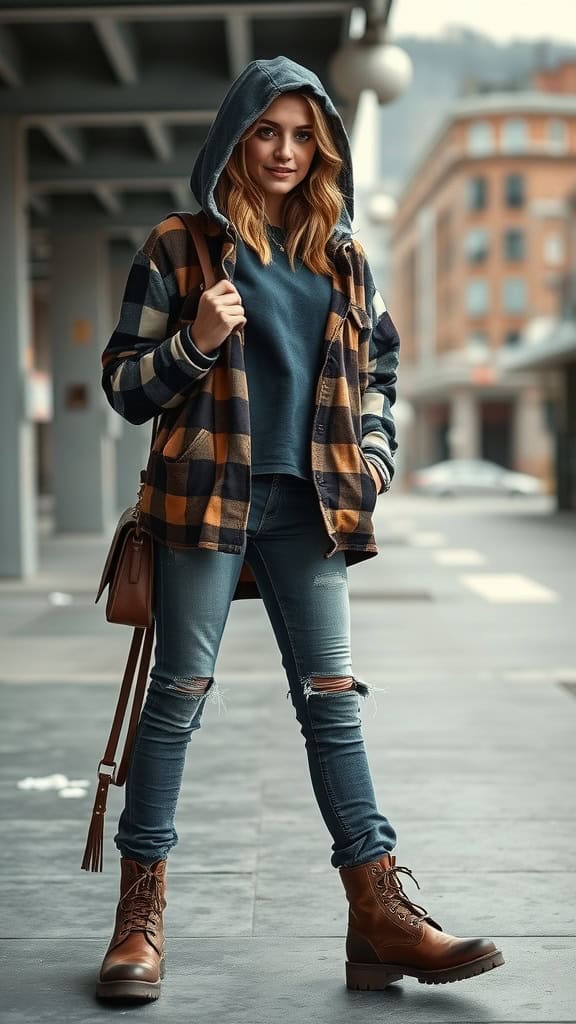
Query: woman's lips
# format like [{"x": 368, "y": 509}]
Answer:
[{"x": 277, "y": 173}]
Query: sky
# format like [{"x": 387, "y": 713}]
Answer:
[{"x": 503, "y": 20}]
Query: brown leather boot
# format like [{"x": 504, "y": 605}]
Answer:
[
  {"x": 389, "y": 936},
  {"x": 134, "y": 961}
]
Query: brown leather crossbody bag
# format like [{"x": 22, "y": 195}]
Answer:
[
  {"x": 128, "y": 574},
  {"x": 128, "y": 570}
]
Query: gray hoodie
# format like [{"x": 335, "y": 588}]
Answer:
[{"x": 261, "y": 82}]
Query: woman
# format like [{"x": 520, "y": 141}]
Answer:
[{"x": 274, "y": 388}]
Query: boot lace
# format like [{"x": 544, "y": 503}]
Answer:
[
  {"x": 141, "y": 905},
  {"x": 390, "y": 889}
]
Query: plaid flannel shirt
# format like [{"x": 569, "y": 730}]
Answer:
[{"x": 197, "y": 488}]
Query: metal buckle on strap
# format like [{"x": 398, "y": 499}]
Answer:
[{"x": 109, "y": 771}]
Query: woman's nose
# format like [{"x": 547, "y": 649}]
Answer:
[{"x": 284, "y": 148}]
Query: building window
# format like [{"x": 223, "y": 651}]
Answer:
[
  {"x": 514, "y": 295},
  {"x": 480, "y": 138},
  {"x": 476, "y": 193},
  {"x": 557, "y": 135},
  {"x": 514, "y": 191},
  {"x": 554, "y": 255},
  {"x": 511, "y": 338},
  {"x": 477, "y": 298},
  {"x": 476, "y": 245},
  {"x": 514, "y": 245},
  {"x": 514, "y": 136}
]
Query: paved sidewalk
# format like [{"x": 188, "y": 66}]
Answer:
[{"x": 471, "y": 744}]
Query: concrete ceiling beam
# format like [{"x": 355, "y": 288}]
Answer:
[
  {"x": 151, "y": 95},
  {"x": 140, "y": 217},
  {"x": 158, "y": 136},
  {"x": 108, "y": 198},
  {"x": 239, "y": 43},
  {"x": 10, "y": 59},
  {"x": 116, "y": 172},
  {"x": 120, "y": 48},
  {"x": 164, "y": 118},
  {"x": 66, "y": 141},
  {"x": 180, "y": 191},
  {"x": 179, "y": 12},
  {"x": 89, "y": 182},
  {"x": 40, "y": 204}
]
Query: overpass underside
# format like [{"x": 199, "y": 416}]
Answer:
[{"x": 103, "y": 109}]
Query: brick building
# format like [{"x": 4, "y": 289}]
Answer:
[{"x": 479, "y": 250}]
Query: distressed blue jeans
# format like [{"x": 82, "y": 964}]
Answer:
[{"x": 306, "y": 599}]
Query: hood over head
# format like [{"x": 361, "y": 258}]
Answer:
[{"x": 261, "y": 82}]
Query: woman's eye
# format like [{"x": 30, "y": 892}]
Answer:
[{"x": 266, "y": 133}]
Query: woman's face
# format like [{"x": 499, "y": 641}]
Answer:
[{"x": 279, "y": 153}]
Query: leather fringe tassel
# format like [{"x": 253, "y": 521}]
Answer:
[{"x": 94, "y": 851}]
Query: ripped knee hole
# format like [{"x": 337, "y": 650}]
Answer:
[
  {"x": 191, "y": 687},
  {"x": 315, "y": 686},
  {"x": 331, "y": 684}
]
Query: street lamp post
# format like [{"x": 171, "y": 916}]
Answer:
[
  {"x": 371, "y": 62},
  {"x": 369, "y": 72}
]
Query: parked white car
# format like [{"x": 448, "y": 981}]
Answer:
[{"x": 473, "y": 476}]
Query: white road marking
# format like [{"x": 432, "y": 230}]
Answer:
[
  {"x": 60, "y": 599},
  {"x": 540, "y": 675},
  {"x": 66, "y": 787},
  {"x": 510, "y": 588},
  {"x": 458, "y": 556},
  {"x": 428, "y": 539},
  {"x": 404, "y": 526}
]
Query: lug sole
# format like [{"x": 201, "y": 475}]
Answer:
[
  {"x": 132, "y": 990},
  {"x": 376, "y": 977}
]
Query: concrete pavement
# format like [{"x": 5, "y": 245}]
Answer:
[{"x": 465, "y": 623}]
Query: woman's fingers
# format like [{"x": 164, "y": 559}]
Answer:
[
  {"x": 223, "y": 296},
  {"x": 220, "y": 310},
  {"x": 223, "y": 288}
]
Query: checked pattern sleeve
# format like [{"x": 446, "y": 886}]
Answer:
[
  {"x": 146, "y": 367},
  {"x": 378, "y": 428}
]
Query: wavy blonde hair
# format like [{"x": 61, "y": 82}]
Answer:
[{"x": 311, "y": 210}]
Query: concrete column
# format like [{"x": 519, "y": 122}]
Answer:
[
  {"x": 132, "y": 451},
  {"x": 532, "y": 441},
  {"x": 18, "y": 542},
  {"x": 464, "y": 435},
  {"x": 80, "y": 323},
  {"x": 425, "y": 297},
  {"x": 133, "y": 442},
  {"x": 421, "y": 448},
  {"x": 566, "y": 441}
]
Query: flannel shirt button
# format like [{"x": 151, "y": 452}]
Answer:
[{"x": 320, "y": 428}]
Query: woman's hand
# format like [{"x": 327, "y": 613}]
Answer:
[
  {"x": 220, "y": 311},
  {"x": 376, "y": 477}
]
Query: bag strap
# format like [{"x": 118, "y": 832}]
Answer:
[
  {"x": 191, "y": 222},
  {"x": 140, "y": 648}
]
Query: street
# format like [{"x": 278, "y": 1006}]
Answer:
[{"x": 464, "y": 626}]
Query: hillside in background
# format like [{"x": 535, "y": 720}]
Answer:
[{"x": 446, "y": 68}]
